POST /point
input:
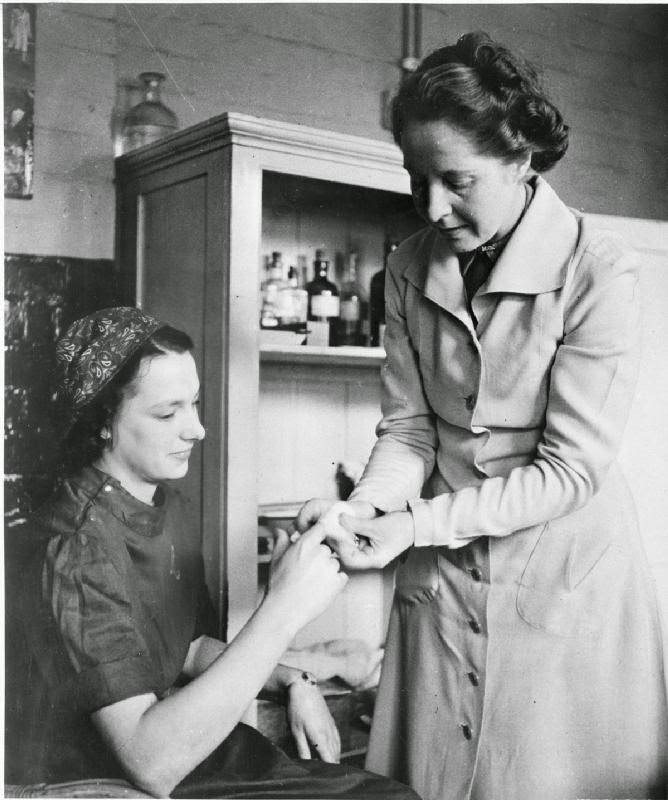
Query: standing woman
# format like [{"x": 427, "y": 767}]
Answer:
[
  {"x": 524, "y": 654},
  {"x": 128, "y": 684}
]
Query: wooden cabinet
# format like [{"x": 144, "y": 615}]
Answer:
[{"x": 196, "y": 213}]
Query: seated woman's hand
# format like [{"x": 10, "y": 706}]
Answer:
[
  {"x": 379, "y": 540},
  {"x": 311, "y": 722},
  {"x": 305, "y": 576}
]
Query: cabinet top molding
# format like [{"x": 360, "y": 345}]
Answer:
[{"x": 244, "y": 130}]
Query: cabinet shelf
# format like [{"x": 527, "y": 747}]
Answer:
[{"x": 303, "y": 354}]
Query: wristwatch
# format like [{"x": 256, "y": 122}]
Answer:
[{"x": 303, "y": 677}]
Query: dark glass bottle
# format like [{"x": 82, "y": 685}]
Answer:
[
  {"x": 323, "y": 300},
  {"x": 377, "y": 300}
]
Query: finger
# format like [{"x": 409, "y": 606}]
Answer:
[
  {"x": 314, "y": 536},
  {"x": 281, "y": 544},
  {"x": 332, "y": 554},
  {"x": 303, "y": 750},
  {"x": 336, "y": 748},
  {"x": 363, "y": 509},
  {"x": 359, "y": 558},
  {"x": 355, "y": 525},
  {"x": 324, "y": 751},
  {"x": 308, "y": 515},
  {"x": 334, "y": 741},
  {"x": 342, "y": 577},
  {"x": 369, "y": 557}
]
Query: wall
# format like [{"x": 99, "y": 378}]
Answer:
[
  {"x": 605, "y": 67},
  {"x": 325, "y": 65}
]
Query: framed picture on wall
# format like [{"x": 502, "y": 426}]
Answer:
[{"x": 19, "y": 97}]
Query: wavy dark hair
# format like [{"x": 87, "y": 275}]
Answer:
[
  {"x": 484, "y": 90},
  {"x": 84, "y": 444}
]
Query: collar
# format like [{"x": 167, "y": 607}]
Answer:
[
  {"x": 492, "y": 250},
  {"x": 534, "y": 260},
  {"x": 537, "y": 255},
  {"x": 92, "y": 486}
]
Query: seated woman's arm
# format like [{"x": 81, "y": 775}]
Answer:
[
  {"x": 159, "y": 742},
  {"x": 308, "y": 716}
]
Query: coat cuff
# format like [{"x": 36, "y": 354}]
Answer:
[
  {"x": 433, "y": 523},
  {"x": 423, "y": 522}
]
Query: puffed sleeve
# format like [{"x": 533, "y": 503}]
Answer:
[
  {"x": 93, "y": 614},
  {"x": 592, "y": 383}
]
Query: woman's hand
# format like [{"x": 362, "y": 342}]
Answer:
[
  {"x": 311, "y": 722},
  {"x": 305, "y": 577},
  {"x": 327, "y": 513},
  {"x": 313, "y": 510},
  {"x": 379, "y": 540}
]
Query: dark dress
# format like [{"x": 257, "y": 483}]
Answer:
[{"x": 118, "y": 595}]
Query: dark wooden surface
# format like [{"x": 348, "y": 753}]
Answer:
[{"x": 43, "y": 295}]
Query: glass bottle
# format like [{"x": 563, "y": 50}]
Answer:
[
  {"x": 292, "y": 300},
  {"x": 323, "y": 303},
  {"x": 150, "y": 119},
  {"x": 272, "y": 286},
  {"x": 377, "y": 299},
  {"x": 351, "y": 305}
]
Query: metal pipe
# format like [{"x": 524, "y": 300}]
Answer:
[
  {"x": 411, "y": 36},
  {"x": 417, "y": 31}
]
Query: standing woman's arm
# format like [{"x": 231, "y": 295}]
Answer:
[
  {"x": 592, "y": 382},
  {"x": 404, "y": 454}
]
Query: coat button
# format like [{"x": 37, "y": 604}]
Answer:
[
  {"x": 470, "y": 402},
  {"x": 475, "y": 680},
  {"x": 108, "y": 488},
  {"x": 474, "y": 626},
  {"x": 475, "y": 574},
  {"x": 466, "y": 730}
]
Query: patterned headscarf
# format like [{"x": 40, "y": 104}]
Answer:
[{"x": 93, "y": 350}]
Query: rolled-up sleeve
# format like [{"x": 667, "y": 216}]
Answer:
[
  {"x": 93, "y": 615},
  {"x": 591, "y": 388}
]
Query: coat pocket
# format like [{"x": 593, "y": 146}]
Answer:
[
  {"x": 569, "y": 580},
  {"x": 417, "y": 578}
]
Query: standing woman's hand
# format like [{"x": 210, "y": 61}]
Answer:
[
  {"x": 314, "y": 510},
  {"x": 379, "y": 540}
]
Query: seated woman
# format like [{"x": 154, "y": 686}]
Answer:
[{"x": 128, "y": 684}]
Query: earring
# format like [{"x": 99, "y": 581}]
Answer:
[{"x": 105, "y": 435}]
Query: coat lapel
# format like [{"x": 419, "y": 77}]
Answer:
[
  {"x": 534, "y": 261},
  {"x": 435, "y": 272},
  {"x": 537, "y": 256}
]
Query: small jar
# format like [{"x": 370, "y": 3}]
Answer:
[{"x": 149, "y": 120}]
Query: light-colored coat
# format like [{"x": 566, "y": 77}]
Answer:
[{"x": 524, "y": 656}]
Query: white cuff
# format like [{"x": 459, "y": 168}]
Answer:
[{"x": 423, "y": 522}]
